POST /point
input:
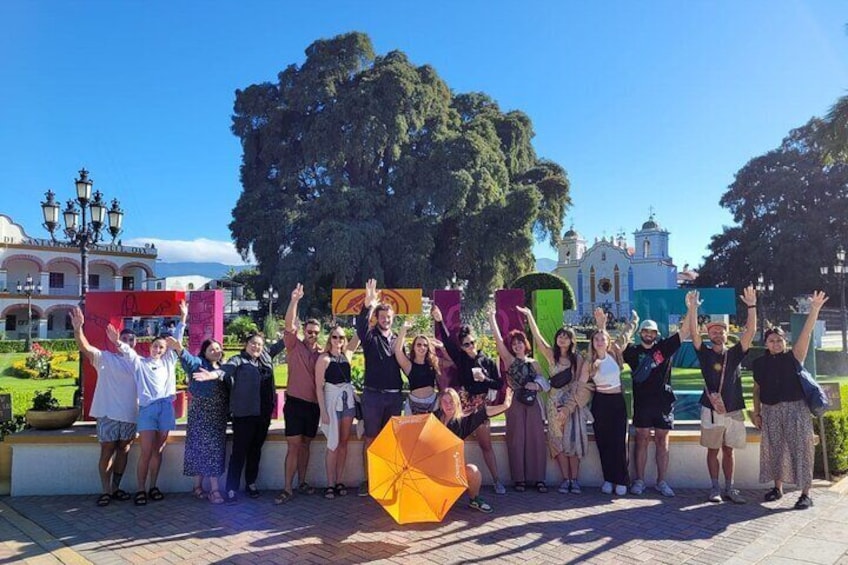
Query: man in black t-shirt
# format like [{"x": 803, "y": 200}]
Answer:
[
  {"x": 722, "y": 429},
  {"x": 653, "y": 398}
]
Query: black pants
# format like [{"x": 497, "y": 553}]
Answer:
[
  {"x": 610, "y": 428},
  {"x": 249, "y": 433}
]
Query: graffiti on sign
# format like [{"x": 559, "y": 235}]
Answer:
[{"x": 349, "y": 301}]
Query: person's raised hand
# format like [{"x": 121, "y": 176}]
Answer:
[
  {"x": 749, "y": 296},
  {"x": 436, "y": 314},
  {"x": 77, "y": 318},
  {"x": 297, "y": 293},
  {"x": 112, "y": 333}
]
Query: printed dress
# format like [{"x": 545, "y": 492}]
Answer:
[{"x": 206, "y": 430}]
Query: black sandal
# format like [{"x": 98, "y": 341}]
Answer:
[
  {"x": 104, "y": 500},
  {"x": 140, "y": 498},
  {"x": 121, "y": 495},
  {"x": 541, "y": 487},
  {"x": 340, "y": 489},
  {"x": 329, "y": 493},
  {"x": 520, "y": 486},
  {"x": 155, "y": 494}
]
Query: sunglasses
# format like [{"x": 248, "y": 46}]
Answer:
[
  {"x": 338, "y": 337},
  {"x": 311, "y": 332},
  {"x": 468, "y": 344}
]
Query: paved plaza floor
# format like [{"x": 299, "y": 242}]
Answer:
[{"x": 525, "y": 528}]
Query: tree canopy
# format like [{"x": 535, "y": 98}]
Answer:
[
  {"x": 791, "y": 213},
  {"x": 356, "y": 165}
]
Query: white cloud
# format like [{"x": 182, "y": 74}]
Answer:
[{"x": 199, "y": 250}]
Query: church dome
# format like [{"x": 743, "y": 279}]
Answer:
[
  {"x": 651, "y": 224},
  {"x": 571, "y": 233}
]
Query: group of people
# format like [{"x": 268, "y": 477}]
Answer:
[{"x": 134, "y": 394}]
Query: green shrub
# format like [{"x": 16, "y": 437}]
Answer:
[
  {"x": 18, "y": 345},
  {"x": 836, "y": 435},
  {"x": 241, "y": 327},
  {"x": 544, "y": 281}
]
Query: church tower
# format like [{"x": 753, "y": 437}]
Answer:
[
  {"x": 651, "y": 242},
  {"x": 571, "y": 247}
]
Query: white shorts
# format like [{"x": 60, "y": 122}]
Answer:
[{"x": 726, "y": 430}]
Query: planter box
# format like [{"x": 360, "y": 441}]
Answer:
[{"x": 52, "y": 419}]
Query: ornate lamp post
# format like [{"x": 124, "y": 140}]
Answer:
[
  {"x": 839, "y": 271},
  {"x": 83, "y": 232},
  {"x": 28, "y": 288},
  {"x": 765, "y": 288},
  {"x": 271, "y": 296}
]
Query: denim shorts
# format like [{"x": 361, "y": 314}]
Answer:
[{"x": 157, "y": 416}]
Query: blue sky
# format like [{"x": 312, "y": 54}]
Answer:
[{"x": 646, "y": 104}]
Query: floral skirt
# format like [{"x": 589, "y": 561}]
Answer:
[
  {"x": 206, "y": 436},
  {"x": 786, "y": 446}
]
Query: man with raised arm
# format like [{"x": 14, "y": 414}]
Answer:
[
  {"x": 653, "y": 398},
  {"x": 115, "y": 407},
  {"x": 722, "y": 404},
  {"x": 381, "y": 398},
  {"x": 301, "y": 411}
]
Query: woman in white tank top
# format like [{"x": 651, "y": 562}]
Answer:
[{"x": 608, "y": 407}]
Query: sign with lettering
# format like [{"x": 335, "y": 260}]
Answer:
[
  {"x": 5, "y": 407},
  {"x": 205, "y": 318},
  {"x": 349, "y": 301},
  {"x": 833, "y": 396}
]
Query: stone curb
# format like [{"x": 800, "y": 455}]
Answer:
[{"x": 41, "y": 537}]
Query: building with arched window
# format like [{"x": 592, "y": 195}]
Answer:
[
  {"x": 56, "y": 267},
  {"x": 607, "y": 273}
]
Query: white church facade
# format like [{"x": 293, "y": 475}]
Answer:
[{"x": 609, "y": 272}]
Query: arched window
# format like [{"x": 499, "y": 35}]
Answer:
[{"x": 646, "y": 248}]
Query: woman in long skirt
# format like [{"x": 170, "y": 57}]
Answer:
[
  {"x": 206, "y": 430},
  {"x": 780, "y": 411}
]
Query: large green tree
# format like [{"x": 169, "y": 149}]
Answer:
[
  {"x": 791, "y": 213},
  {"x": 357, "y": 166}
]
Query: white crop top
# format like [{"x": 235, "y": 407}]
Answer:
[{"x": 608, "y": 376}]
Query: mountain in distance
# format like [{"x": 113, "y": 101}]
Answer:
[
  {"x": 545, "y": 265},
  {"x": 210, "y": 270}
]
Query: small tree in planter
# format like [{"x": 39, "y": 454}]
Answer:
[{"x": 46, "y": 414}]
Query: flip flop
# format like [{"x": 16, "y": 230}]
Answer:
[
  {"x": 283, "y": 497},
  {"x": 140, "y": 498},
  {"x": 305, "y": 488},
  {"x": 329, "y": 493},
  {"x": 155, "y": 494},
  {"x": 198, "y": 493},
  {"x": 104, "y": 500},
  {"x": 341, "y": 489},
  {"x": 215, "y": 497}
]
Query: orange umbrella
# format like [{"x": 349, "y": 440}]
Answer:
[{"x": 416, "y": 469}]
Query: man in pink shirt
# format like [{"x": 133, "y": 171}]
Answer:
[{"x": 301, "y": 412}]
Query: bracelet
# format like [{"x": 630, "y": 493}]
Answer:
[{"x": 751, "y": 306}]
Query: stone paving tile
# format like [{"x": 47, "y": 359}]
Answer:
[{"x": 529, "y": 528}]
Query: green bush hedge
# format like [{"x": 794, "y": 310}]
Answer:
[
  {"x": 19, "y": 345},
  {"x": 836, "y": 435},
  {"x": 544, "y": 281}
]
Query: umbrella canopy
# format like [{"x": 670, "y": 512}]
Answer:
[{"x": 416, "y": 469}]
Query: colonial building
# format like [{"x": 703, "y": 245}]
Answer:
[
  {"x": 56, "y": 268},
  {"x": 607, "y": 273}
]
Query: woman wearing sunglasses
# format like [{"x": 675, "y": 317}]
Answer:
[
  {"x": 478, "y": 374},
  {"x": 421, "y": 370},
  {"x": 337, "y": 405}
]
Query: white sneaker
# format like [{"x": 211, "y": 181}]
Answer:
[
  {"x": 638, "y": 487},
  {"x": 499, "y": 488},
  {"x": 564, "y": 487},
  {"x": 664, "y": 489},
  {"x": 620, "y": 490},
  {"x": 606, "y": 488},
  {"x": 575, "y": 487}
]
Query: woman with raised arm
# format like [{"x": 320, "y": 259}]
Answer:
[
  {"x": 525, "y": 421},
  {"x": 206, "y": 427},
  {"x": 421, "y": 370},
  {"x": 337, "y": 404},
  {"x": 156, "y": 385},
  {"x": 780, "y": 411},
  {"x": 478, "y": 375},
  {"x": 450, "y": 414},
  {"x": 603, "y": 368},
  {"x": 568, "y": 399}
]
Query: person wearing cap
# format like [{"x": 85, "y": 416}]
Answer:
[
  {"x": 722, "y": 403},
  {"x": 653, "y": 398},
  {"x": 115, "y": 407},
  {"x": 780, "y": 411}
]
